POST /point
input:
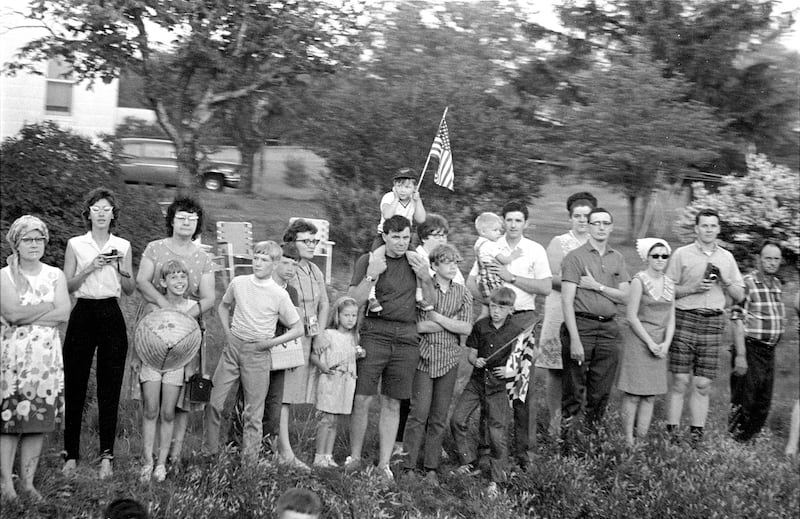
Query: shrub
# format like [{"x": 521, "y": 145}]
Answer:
[
  {"x": 295, "y": 174},
  {"x": 47, "y": 171},
  {"x": 763, "y": 204},
  {"x": 354, "y": 214}
]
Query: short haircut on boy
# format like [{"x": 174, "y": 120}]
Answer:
[
  {"x": 270, "y": 248},
  {"x": 485, "y": 220},
  {"x": 396, "y": 223},
  {"x": 433, "y": 223},
  {"x": 597, "y": 210},
  {"x": 300, "y": 500},
  {"x": 173, "y": 266},
  {"x": 503, "y": 296},
  {"x": 444, "y": 253},
  {"x": 290, "y": 251}
]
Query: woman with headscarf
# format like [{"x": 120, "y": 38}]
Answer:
[
  {"x": 98, "y": 268},
  {"x": 646, "y": 338},
  {"x": 33, "y": 301},
  {"x": 184, "y": 222}
]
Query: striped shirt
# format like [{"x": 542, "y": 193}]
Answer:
[
  {"x": 763, "y": 308},
  {"x": 439, "y": 351}
]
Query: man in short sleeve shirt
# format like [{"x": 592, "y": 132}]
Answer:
[
  {"x": 594, "y": 280},
  {"x": 390, "y": 338},
  {"x": 703, "y": 273}
]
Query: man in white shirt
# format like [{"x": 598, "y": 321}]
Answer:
[{"x": 528, "y": 276}]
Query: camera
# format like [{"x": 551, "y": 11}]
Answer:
[
  {"x": 712, "y": 272},
  {"x": 114, "y": 254}
]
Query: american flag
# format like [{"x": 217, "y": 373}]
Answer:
[{"x": 441, "y": 151}]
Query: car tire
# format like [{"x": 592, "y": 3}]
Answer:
[{"x": 213, "y": 181}]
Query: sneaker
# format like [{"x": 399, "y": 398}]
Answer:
[
  {"x": 146, "y": 473},
  {"x": 374, "y": 306},
  {"x": 467, "y": 469},
  {"x": 492, "y": 491},
  {"x": 331, "y": 464},
  {"x": 352, "y": 464},
  {"x": 294, "y": 462},
  {"x": 424, "y": 305},
  {"x": 160, "y": 473},
  {"x": 69, "y": 468},
  {"x": 431, "y": 478},
  {"x": 398, "y": 450},
  {"x": 386, "y": 473},
  {"x": 106, "y": 470}
]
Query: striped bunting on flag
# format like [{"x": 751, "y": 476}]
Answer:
[{"x": 441, "y": 151}]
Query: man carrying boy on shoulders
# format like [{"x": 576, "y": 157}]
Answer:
[{"x": 390, "y": 338}]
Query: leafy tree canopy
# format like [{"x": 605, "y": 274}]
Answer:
[
  {"x": 217, "y": 51},
  {"x": 47, "y": 172}
]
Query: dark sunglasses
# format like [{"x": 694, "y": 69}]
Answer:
[{"x": 659, "y": 256}]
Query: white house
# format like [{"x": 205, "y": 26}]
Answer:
[{"x": 27, "y": 98}]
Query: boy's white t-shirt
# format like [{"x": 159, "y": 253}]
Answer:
[
  {"x": 259, "y": 305},
  {"x": 487, "y": 249},
  {"x": 402, "y": 210}
]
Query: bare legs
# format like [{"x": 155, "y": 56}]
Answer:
[
  {"x": 30, "y": 449},
  {"x": 637, "y": 413},
  {"x": 178, "y": 434},
  {"x": 554, "y": 402},
  {"x": 794, "y": 430},
  {"x": 387, "y": 426}
]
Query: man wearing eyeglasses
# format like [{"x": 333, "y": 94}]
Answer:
[
  {"x": 594, "y": 280},
  {"x": 703, "y": 273}
]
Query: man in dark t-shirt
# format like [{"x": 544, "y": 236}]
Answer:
[{"x": 390, "y": 337}]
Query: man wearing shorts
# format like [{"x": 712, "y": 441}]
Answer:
[
  {"x": 703, "y": 272},
  {"x": 389, "y": 338}
]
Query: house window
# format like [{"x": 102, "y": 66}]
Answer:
[{"x": 58, "y": 99}]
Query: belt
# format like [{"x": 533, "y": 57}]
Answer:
[
  {"x": 593, "y": 317},
  {"x": 706, "y": 312}
]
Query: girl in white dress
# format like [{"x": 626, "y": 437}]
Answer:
[{"x": 333, "y": 382}]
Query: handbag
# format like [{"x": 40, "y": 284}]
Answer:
[
  {"x": 287, "y": 355},
  {"x": 200, "y": 385}
]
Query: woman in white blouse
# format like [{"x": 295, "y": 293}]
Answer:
[{"x": 98, "y": 266}]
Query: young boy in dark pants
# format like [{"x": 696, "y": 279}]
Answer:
[{"x": 487, "y": 388}]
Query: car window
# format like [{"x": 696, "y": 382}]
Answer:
[
  {"x": 133, "y": 149},
  {"x": 158, "y": 150}
]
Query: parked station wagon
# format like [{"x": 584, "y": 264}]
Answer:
[{"x": 153, "y": 161}]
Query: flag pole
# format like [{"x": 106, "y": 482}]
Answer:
[{"x": 425, "y": 167}]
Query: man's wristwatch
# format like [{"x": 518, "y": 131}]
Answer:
[
  {"x": 602, "y": 288},
  {"x": 369, "y": 278},
  {"x": 513, "y": 279}
]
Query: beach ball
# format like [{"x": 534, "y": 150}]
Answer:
[{"x": 167, "y": 339}]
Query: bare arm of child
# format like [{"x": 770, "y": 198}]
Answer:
[
  {"x": 505, "y": 259},
  {"x": 419, "y": 209}
]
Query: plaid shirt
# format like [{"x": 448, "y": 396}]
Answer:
[
  {"x": 763, "y": 308},
  {"x": 439, "y": 352}
]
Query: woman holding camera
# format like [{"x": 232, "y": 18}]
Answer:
[
  {"x": 98, "y": 268},
  {"x": 313, "y": 307}
]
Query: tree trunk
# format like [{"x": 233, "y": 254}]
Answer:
[
  {"x": 248, "y": 149},
  {"x": 188, "y": 165},
  {"x": 632, "y": 217}
]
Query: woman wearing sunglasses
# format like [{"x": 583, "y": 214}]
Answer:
[
  {"x": 646, "y": 338},
  {"x": 33, "y": 302},
  {"x": 98, "y": 268}
]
